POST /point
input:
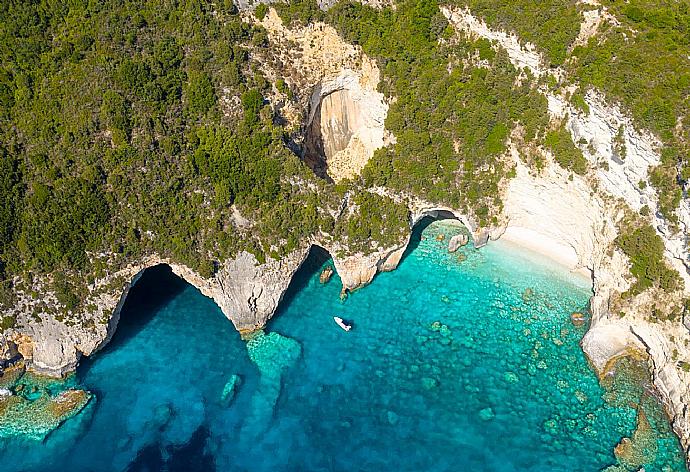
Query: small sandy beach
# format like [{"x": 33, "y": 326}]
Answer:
[{"x": 536, "y": 242}]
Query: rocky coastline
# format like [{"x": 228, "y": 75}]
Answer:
[{"x": 570, "y": 219}]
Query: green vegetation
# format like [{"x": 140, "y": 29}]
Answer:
[
  {"x": 302, "y": 12},
  {"x": 112, "y": 142},
  {"x": 645, "y": 249},
  {"x": 564, "y": 151},
  {"x": 644, "y": 63},
  {"x": 552, "y": 25},
  {"x": 7, "y": 322},
  {"x": 118, "y": 138},
  {"x": 578, "y": 100},
  {"x": 261, "y": 11},
  {"x": 378, "y": 219}
]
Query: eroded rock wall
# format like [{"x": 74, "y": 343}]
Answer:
[
  {"x": 336, "y": 83},
  {"x": 247, "y": 292}
]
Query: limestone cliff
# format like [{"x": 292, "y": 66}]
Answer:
[
  {"x": 340, "y": 115},
  {"x": 357, "y": 270},
  {"x": 336, "y": 86}
]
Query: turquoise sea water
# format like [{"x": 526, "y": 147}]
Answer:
[{"x": 451, "y": 365}]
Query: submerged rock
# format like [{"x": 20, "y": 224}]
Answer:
[
  {"x": 511, "y": 377},
  {"x": 272, "y": 354},
  {"x": 487, "y": 414},
  {"x": 11, "y": 375},
  {"x": 457, "y": 241},
  {"x": 527, "y": 295},
  {"x": 230, "y": 388},
  {"x": 429, "y": 383},
  {"x": 35, "y": 419},
  {"x": 578, "y": 319},
  {"x": 641, "y": 448}
]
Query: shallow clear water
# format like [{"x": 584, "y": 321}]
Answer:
[{"x": 450, "y": 366}]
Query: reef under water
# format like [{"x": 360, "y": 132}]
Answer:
[{"x": 456, "y": 361}]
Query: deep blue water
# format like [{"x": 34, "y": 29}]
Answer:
[{"x": 450, "y": 366}]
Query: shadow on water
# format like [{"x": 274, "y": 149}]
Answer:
[
  {"x": 416, "y": 236},
  {"x": 316, "y": 258},
  {"x": 154, "y": 289},
  {"x": 191, "y": 456}
]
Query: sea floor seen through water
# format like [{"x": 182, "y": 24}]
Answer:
[{"x": 456, "y": 362}]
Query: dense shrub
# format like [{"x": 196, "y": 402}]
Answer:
[{"x": 645, "y": 249}]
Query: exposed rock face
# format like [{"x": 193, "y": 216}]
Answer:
[
  {"x": 520, "y": 56},
  {"x": 571, "y": 218},
  {"x": 358, "y": 270},
  {"x": 344, "y": 123},
  {"x": 245, "y": 5},
  {"x": 347, "y": 126},
  {"x": 457, "y": 241}
]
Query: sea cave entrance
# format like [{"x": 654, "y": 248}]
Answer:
[
  {"x": 423, "y": 223},
  {"x": 315, "y": 262}
]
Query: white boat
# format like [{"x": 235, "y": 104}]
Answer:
[{"x": 339, "y": 321}]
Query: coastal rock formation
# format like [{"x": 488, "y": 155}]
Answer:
[
  {"x": 339, "y": 115},
  {"x": 247, "y": 292},
  {"x": 342, "y": 98},
  {"x": 457, "y": 241},
  {"x": 358, "y": 270},
  {"x": 574, "y": 219},
  {"x": 31, "y": 408}
]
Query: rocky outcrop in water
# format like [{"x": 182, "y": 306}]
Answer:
[
  {"x": 358, "y": 270},
  {"x": 457, "y": 241}
]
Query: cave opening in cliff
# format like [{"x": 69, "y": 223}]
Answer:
[
  {"x": 329, "y": 131},
  {"x": 421, "y": 225},
  {"x": 317, "y": 258},
  {"x": 156, "y": 286}
]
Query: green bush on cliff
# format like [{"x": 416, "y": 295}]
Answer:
[
  {"x": 377, "y": 219},
  {"x": 552, "y": 25},
  {"x": 645, "y": 249},
  {"x": 564, "y": 151},
  {"x": 644, "y": 63},
  {"x": 641, "y": 62},
  {"x": 7, "y": 322}
]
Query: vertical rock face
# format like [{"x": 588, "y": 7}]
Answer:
[
  {"x": 346, "y": 127},
  {"x": 344, "y": 122},
  {"x": 338, "y": 118},
  {"x": 358, "y": 270},
  {"x": 248, "y": 293}
]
